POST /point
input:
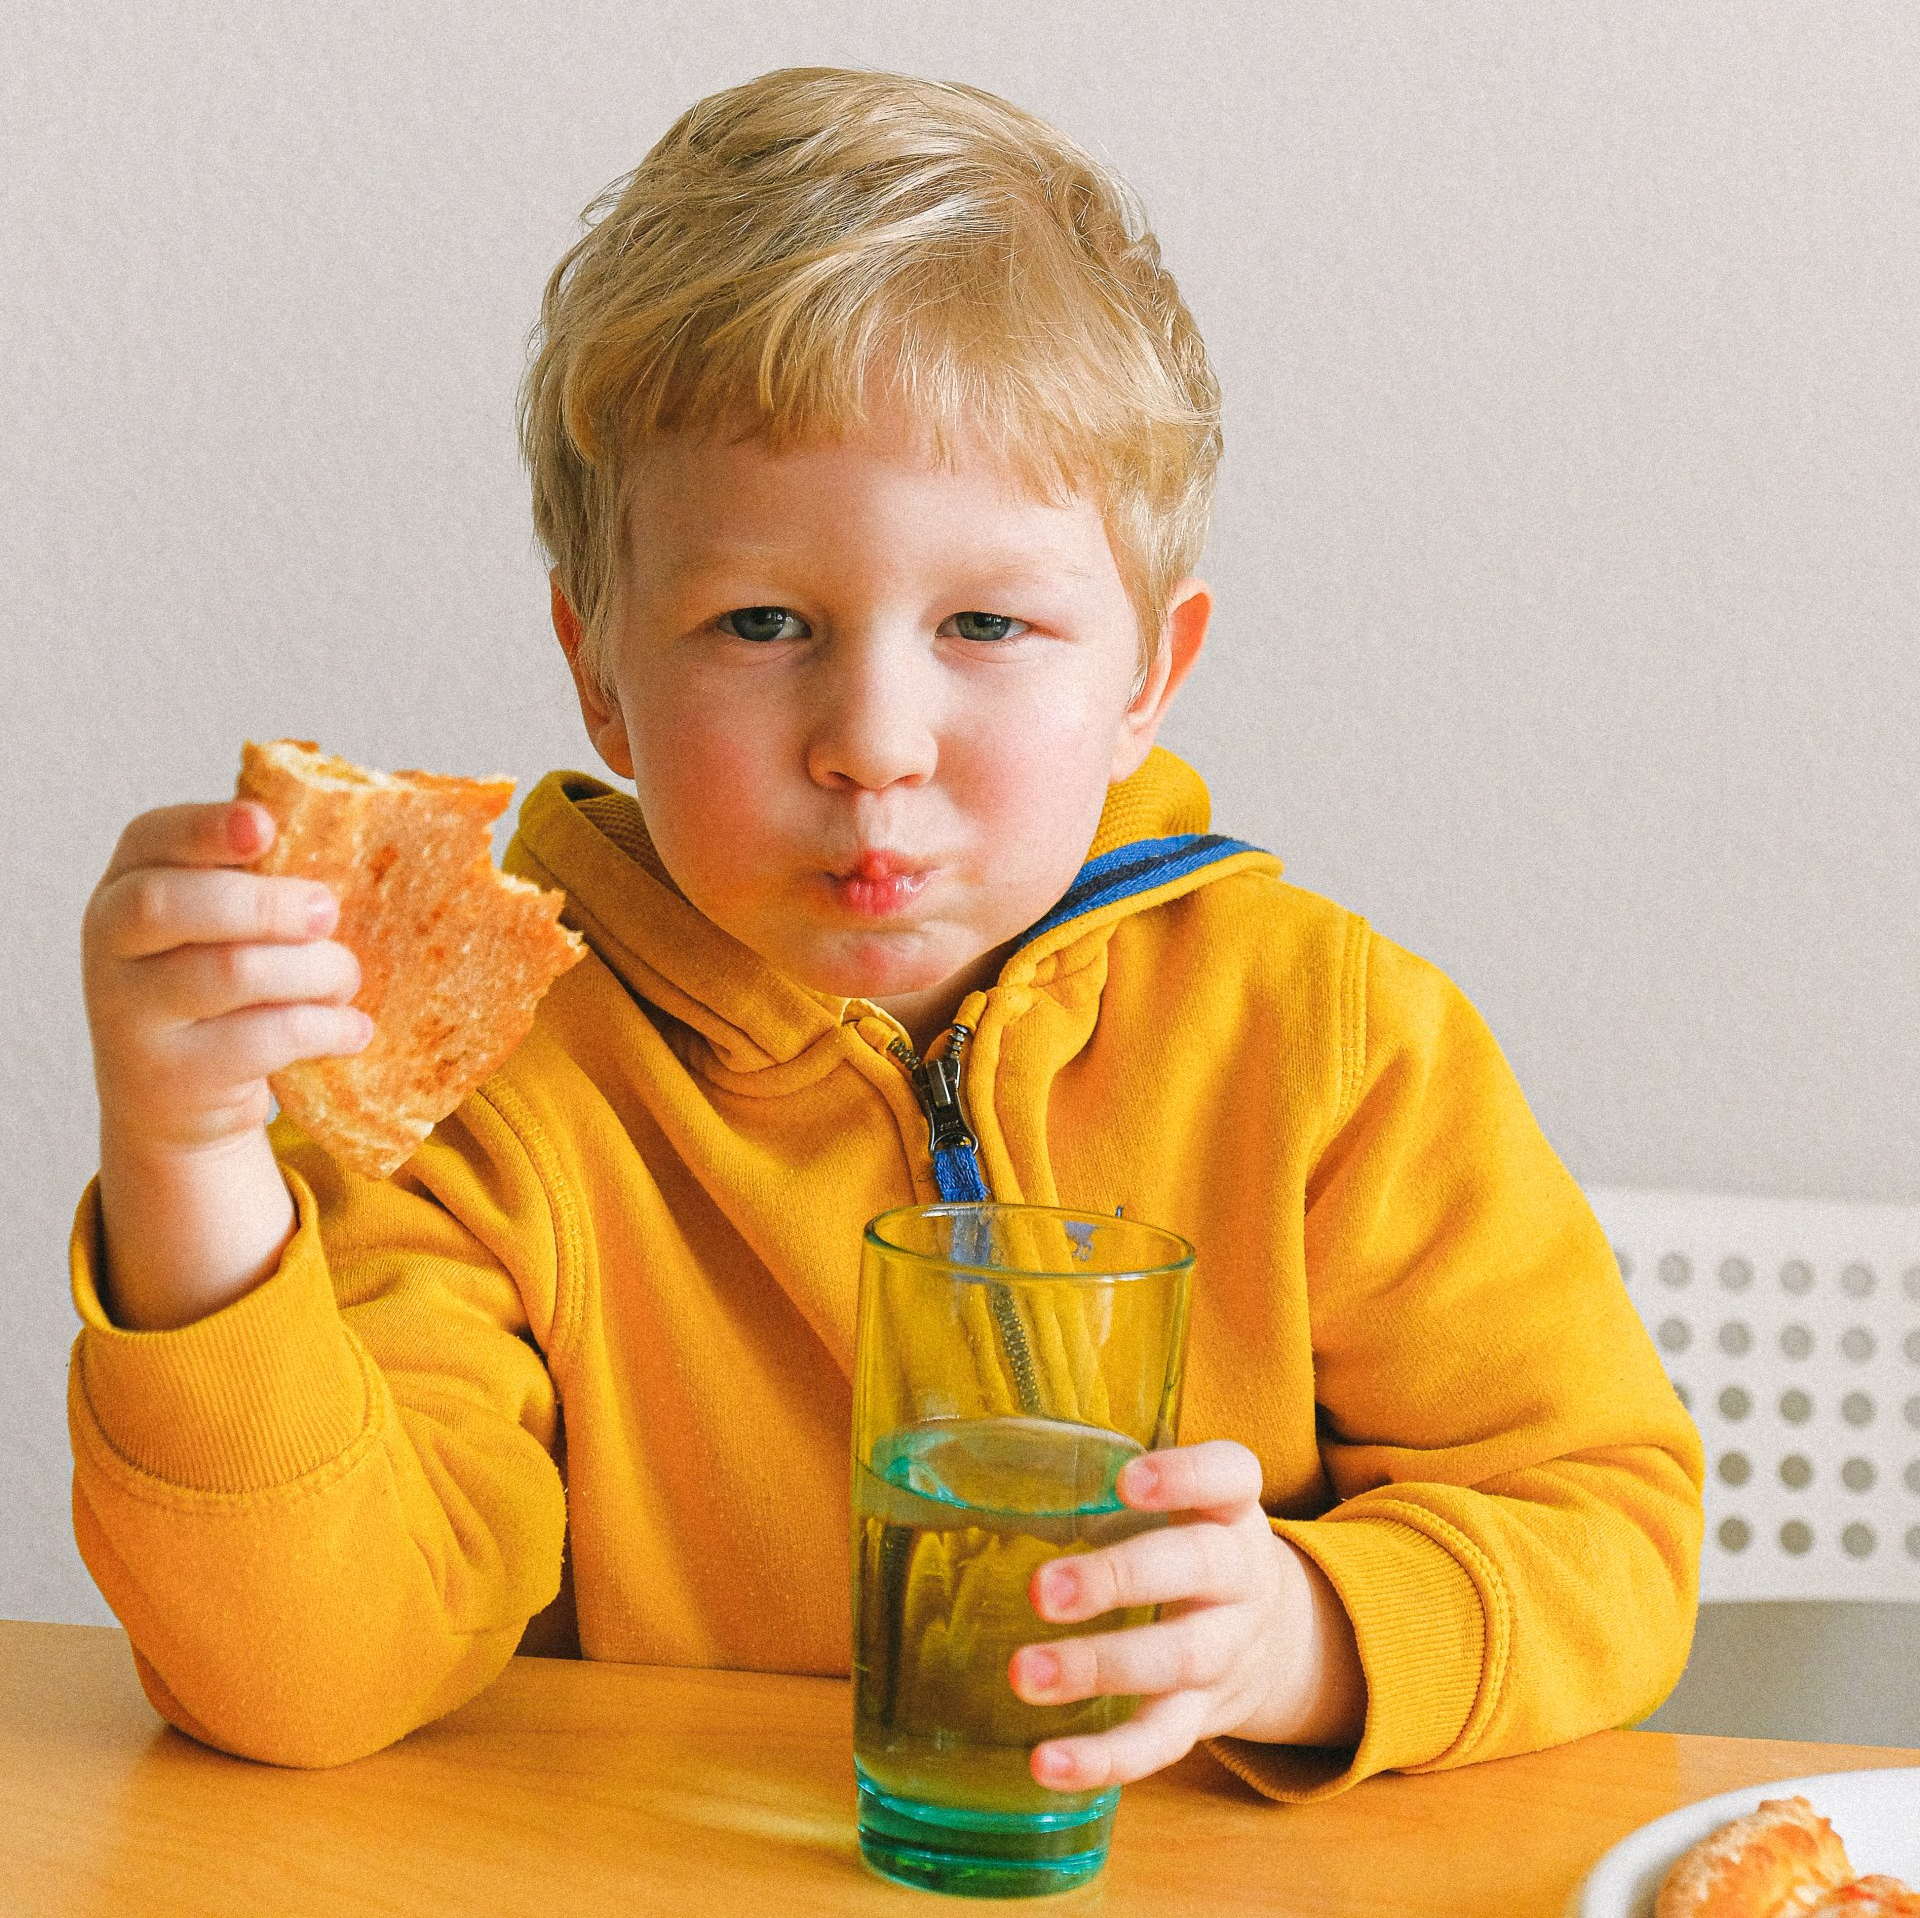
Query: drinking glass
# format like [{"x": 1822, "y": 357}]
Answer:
[{"x": 1009, "y": 1360}]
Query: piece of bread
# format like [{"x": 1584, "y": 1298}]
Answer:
[
  {"x": 454, "y": 955},
  {"x": 1781, "y": 1861}
]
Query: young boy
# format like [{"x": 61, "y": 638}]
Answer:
[{"x": 872, "y": 446}]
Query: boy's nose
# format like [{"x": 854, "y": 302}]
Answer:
[{"x": 872, "y": 718}]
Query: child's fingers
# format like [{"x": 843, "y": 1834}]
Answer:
[
  {"x": 227, "y": 832},
  {"x": 1173, "y": 1562},
  {"x": 1161, "y": 1732},
  {"x": 1187, "y": 1653},
  {"x": 1218, "y": 1477},
  {"x": 192, "y": 1086},
  {"x": 192, "y": 983},
  {"x": 246, "y": 1046},
  {"x": 153, "y": 909}
]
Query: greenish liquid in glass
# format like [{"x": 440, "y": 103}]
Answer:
[{"x": 951, "y": 1520}]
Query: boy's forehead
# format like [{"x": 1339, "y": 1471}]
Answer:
[{"x": 706, "y": 503}]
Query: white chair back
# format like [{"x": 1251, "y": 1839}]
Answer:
[{"x": 1792, "y": 1330}]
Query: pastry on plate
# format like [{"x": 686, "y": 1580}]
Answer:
[
  {"x": 1874, "y": 1897},
  {"x": 1782, "y": 1861}
]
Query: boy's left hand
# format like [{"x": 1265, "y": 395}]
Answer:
[{"x": 1251, "y": 1641}]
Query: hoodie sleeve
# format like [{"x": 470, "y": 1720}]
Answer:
[
  {"x": 325, "y": 1512},
  {"x": 1518, "y": 1533}
]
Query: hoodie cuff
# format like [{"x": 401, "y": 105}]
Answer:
[
  {"x": 260, "y": 1393},
  {"x": 1420, "y": 1620}
]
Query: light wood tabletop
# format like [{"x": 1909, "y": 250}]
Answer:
[{"x": 580, "y": 1788}]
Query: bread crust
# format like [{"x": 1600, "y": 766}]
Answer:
[
  {"x": 454, "y": 954},
  {"x": 1782, "y": 1861}
]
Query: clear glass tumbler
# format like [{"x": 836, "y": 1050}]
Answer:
[{"x": 1009, "y": 1360}]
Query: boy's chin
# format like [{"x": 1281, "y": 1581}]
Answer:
[{"x": 866, "y": 973}]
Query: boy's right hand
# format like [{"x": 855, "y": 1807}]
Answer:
[{"x": 201, "y": 979}]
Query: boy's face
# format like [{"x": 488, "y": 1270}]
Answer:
[{"x": 871, "y": 704}]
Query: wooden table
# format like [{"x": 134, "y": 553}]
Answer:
[{"x": 570, "y": 1790}]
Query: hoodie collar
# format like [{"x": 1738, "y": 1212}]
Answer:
[{"x": 576, "y": 833}]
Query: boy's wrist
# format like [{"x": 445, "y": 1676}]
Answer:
[
  {"x": 187, "y": 1230},
  {"x": 1317, "y": 1693}
]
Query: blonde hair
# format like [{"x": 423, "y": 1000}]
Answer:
[{"x": 815, "y": 242}]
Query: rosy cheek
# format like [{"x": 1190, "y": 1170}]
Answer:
[
  {"x": 705, "y": 790},
  {"x": 1039, "y": 783}
]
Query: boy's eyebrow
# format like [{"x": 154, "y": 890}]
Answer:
[{"x": 689, "y": 565}]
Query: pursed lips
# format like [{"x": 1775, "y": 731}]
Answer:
[{"x": 878, "y": 884}]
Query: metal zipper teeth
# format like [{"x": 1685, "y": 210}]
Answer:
[{"x": 936, "y": 1082}]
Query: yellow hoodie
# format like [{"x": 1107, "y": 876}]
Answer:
[{"x": 611, "y": 1302}]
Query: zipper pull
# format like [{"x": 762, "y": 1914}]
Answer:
[{"x": 937, "y": 1081}]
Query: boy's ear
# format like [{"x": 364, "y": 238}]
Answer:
[
  {"x": 1188, "y": 610},
  {"x": 598, "y": 707}
]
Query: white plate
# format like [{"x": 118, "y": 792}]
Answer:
[{"x": 1876, "y": 1813}]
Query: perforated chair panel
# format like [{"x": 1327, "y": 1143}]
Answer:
[{"x": 1792, "y": 1330}]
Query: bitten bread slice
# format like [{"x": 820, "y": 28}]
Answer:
[
  {"x": 1781, "y": 1861},
  {"x": 454, "y": 954}
]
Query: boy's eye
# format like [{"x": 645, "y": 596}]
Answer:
[
  {"x": 985, "y": 625},
  {"x": 762, "y": 623}
]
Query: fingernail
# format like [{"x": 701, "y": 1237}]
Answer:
[
  {"x": 323, "y": 909},
  {"x": 366, "y": 1035},
  {"x": 1049, "y": 1763},
  {"x": 1059, "y": 1586},
  {"x": 1040, "y": 1671},
  {"x": 243, "y": 829},
  {"x": 1143, "y": 1478}
]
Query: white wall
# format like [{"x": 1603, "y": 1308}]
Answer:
[{"x": 1566, "y": 548}]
